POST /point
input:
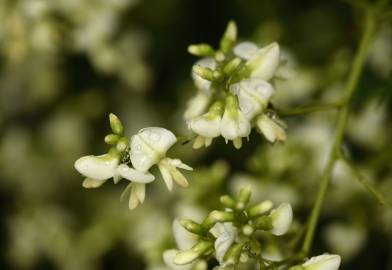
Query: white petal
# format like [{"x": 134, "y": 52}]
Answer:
[
  {"x": 168, "y": 257},
  {"x": 92, "y": 183},
  {"x": 179, "y": 178},
  {"x": 281, "y": 219},
  {"x": 166, "y": 175},
  {"x": 271, "y": 130},
  {"x": 234, "y": 124},
  {"x": 184, "y": 239},
  {"x": 140, "y": 191},
  {"x": 201, "y": 83},
  {"x": 265, "y": 62},
  {"x": 224, "y": 241},
  {"x": 197, "y": 105},
  {"x": 179, "y": 164},
  {"x": 149, "y": 145},
  {"x": 245, "y": 50},
  {"x": 97, "y": 167},
  {"x": 134, "y": 175},
  {"x": 323, "y": 262},
  {"x": 206, "y": 126}
]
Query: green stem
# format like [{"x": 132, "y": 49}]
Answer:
[{"x": 341, "y": 122}]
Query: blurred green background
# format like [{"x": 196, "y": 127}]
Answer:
[{"x": 65, "y": 64}]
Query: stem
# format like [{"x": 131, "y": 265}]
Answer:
[
  {"x": 365, "y": 182},
  {"x": 341, "y": 122},
  {"x": 307, "y": 109}
]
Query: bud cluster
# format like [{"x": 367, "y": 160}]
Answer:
[
  {"x": 132, "y": 159},
  {"x": 234, "y": 90},
  {"x": 229, "y": 235}
]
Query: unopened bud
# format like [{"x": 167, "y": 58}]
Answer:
[
  {"x": 191, "y": 226},
  {"x": 188, "y": 256},
  {"x": 202, "y": 49},
  {"x": 115, "y": 124},
  {"x": 227, "y": 201},
  {"x": 244, "y": 197},
  {"x": 111, "y": 139},
  {"x": 260, "y": 209},
  {"x": 233, "y": 255},
  {"x": 247, "y": 230},
  {"x": 205, "y": 73},
  {"x": 263, "y": 223},
  {"x": 229, "y": 37},
  {"x": 122, "y": 144},
  {"x": 217, "y": 216},
  {"x": 230, "y": 67}
]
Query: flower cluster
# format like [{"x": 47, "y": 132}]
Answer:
[
  {"x": 228, "y": 235},
  {"x": 234, "y": 90},
  {"x": 131, "y": 159}
]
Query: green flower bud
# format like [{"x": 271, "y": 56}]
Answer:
[
  {"x": 260, "y": 209},
  {"x": 263, "y": 223},
  {"x": 188, "y": 256},
  {"x": 217, "y": 216},
  {"x": 122, "y": 144},
  {"x": 244, "y": 198},
  {"x": 202, "y": 49},
  {"x": 247, "y": 230},
  {"x": 111, "y": 139},
  {"x": 229, "y": 37},
  {"x": 191, "y": 226},
  {"x": 115, "y": 124},
  {"x": 205, "y": 73},
  {"x": 230, "y": 67},
  {"x": 227, "y": 201},
  {"x": 233, "y": 255}
]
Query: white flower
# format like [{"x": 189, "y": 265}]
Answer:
[
  {"x": 272, "y": 130},
  {"x": 149, "y": 147},
  {"x": 234, "y": 124},
  {"x": 281, "y": 219},
  {"x": 207, "y": 126},
  {"x": 253, "y": 95},
  {"x": 225, "y": 234},
  {"x": 263, "y": 62},
  {"x": 201, "y": 83},
  {"x": 322, "y": 262},
  {"x": 197, "y": 105}
]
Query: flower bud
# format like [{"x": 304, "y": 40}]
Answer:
[
  {"x": 188, "y": 256},
  {"x": 111, "y": 139},
  {"x": 204, "y": 72},
  {"x": 263, "y": 223},
  {"x": 227, "y": 201},
  {"x": 230, "y": 67},
  {"x": 202, "y": 49},
  {"x": 122, "y": 144},
  {"x": 217, "y": 216},
  {"x": 116, "y": 124},
  {"x": 229, "y": 37},
  {"x": 244, "y": 197},
  {"x": 260, "y": 209},
  {"x": 233, "y": 254},
  {"x": 191, "y": 226}
]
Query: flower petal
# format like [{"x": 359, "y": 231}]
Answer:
[
  {"x": 245, "y": 50},
  {"x": 97, "y": 167},
  {"x": 166, "y": 175},
  {"x": 201, "y": 83},
  {"x": 168, "y": 257},
  {"x": 265, "y": 62},
  {"x": 134, "y": 175},
  {"x": 323, "y": 262},
  {"x": 92, "y": 183},
  {"x": 281, "y": 219}
]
